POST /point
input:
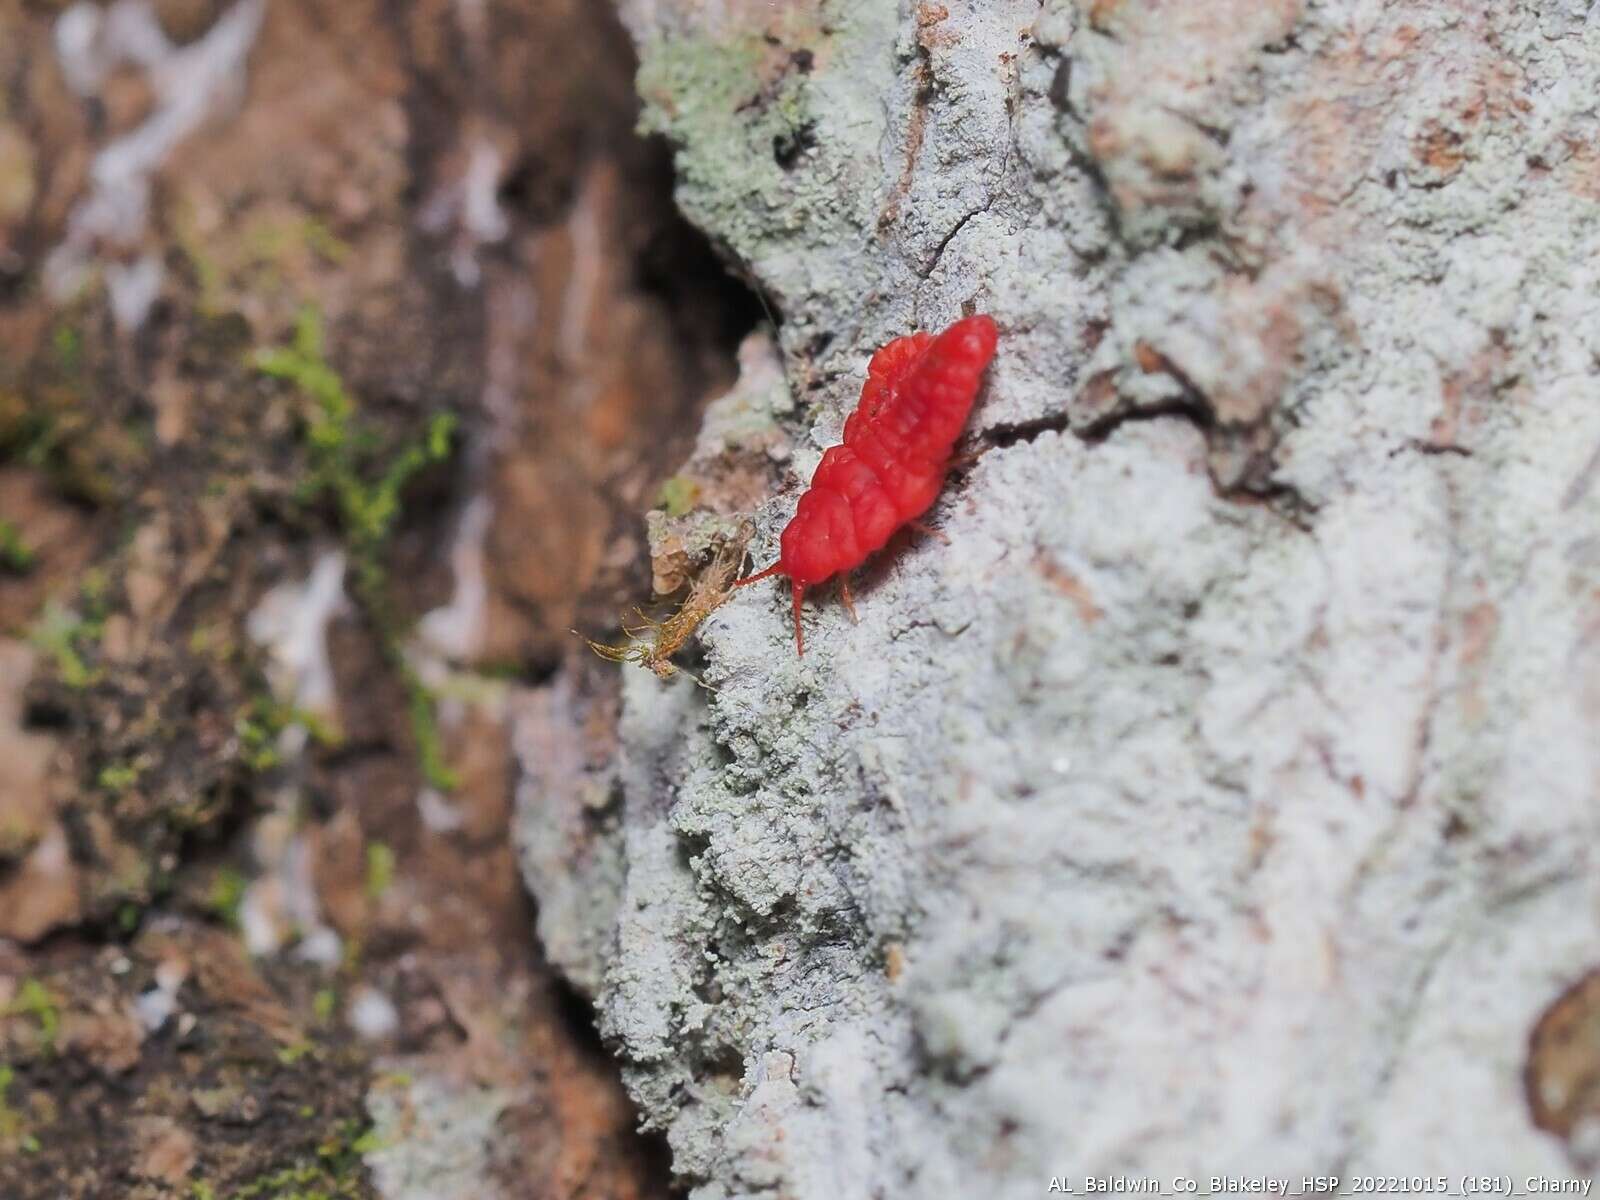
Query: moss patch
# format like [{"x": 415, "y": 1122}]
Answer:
[
  {"x": 16, "y": 555},
  {"x": 365, "y": 485},
  {"x": 35, "y": 1000},
  {"x": 271, "y": 1109}
]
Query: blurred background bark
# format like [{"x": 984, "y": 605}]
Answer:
[{"x": 342, "y": 347}]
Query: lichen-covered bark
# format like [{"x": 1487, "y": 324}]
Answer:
[{"x": 1223, "y": 794}]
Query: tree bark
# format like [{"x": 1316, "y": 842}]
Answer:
[{"x": 1221, "y": 798}]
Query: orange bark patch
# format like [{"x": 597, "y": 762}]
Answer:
[
  {"x": 916, "y": 130},
  {"x": 929, "y": 18},
  {"x": 1101, "y": 12},
  {"x": 1479, "y": 626},
  {"x": 1440, "y": 150},
  {"x": 1070, "y": 586},
  {"x": 1151, "y": 361}
]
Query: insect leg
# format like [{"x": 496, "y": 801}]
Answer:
[
  {"x": 774, "y": 569},
  {"x": 965, "y": 459},
  {"x": 799, "y": 635},
  {"x": 849, "y": 604}
]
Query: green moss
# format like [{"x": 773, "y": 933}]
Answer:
[
  {"x": 259, "y": 740},
  {"x": 12, "y": 1128},
  {"x": 678, "y": 495},
  {"x": 12, "y": 1132},
  {"x": 368, "y": 1142},
  {"x": 208, "y": 272},
  {"x": 324, "y": 1003},
  {"x": 257, "y": 258},
  {"x": 15, "y": 554},
  {"x": 67, "y": 635},
  {"x": 271, "y": 243},
  {"x": 10, "y": 1119},
  {"x": 63, "y": 635},
  {"x": 208, "y": 639},
  {"x": 67, "y": 343},
  {"x": 263, "y": 721},
  {"x": 94, "y": 588},
  {"x": 324, "y": 242},
  {"x": 227, "y": 894},
  {"x": 380, "y": 869},
  {"x": 302, "y": 363},
  {"x": 367, "y": 495},
  {"x": 17, "y": 836},
  {"x": 35, "y": 1000},
  {"x": 335, "y": 1173},
  {"x": 308, "y": 1181},
  {"x": 118, "y": 777},
  {"x": 422, "y": 707},
  {"x": 58, "y": 416}
]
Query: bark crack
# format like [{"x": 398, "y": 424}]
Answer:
[{"x": 933, "y": 264}]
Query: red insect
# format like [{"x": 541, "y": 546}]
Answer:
[{"x": 896, "y": 453}]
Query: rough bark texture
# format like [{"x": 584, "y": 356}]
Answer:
[{"x": 1223, "y": 794}]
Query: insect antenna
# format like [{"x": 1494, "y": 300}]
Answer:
[{"x": 616, "y": 654}]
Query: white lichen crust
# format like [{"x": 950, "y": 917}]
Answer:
[{"x": 1222, "y": 798}]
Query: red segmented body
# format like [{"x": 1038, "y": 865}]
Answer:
[{"x": 895, "y": 455}]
